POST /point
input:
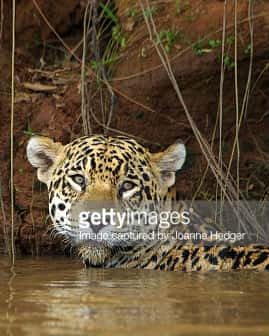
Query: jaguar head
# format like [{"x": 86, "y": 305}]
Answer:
[{"x": 100, "y": 172}]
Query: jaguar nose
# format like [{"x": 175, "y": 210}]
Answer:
[
  {"x": 96, "y": 227},
  {"x": 100, "y": 224}
]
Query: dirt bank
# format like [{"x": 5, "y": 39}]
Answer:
[{"x": 191, "y": 33}]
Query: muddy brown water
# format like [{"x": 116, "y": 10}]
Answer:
[{"x": 57, "y": 296}]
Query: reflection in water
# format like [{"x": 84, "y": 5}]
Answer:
[
  {"x": 11, "y": 292},
  {"x": 58, "y": 297}
]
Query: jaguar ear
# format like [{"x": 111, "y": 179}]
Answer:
[
  {"x": 42, "y": 153},
  {"x": 169, "y": 161}
]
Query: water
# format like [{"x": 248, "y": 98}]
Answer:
[{"x": 56, "y": 296}]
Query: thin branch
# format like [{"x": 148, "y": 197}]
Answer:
[{"x": 12, "y": 131}]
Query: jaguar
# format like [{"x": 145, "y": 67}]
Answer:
[{"x": 118, "y": 170}]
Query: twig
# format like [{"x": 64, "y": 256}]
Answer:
[
  {"x": 85, "y": 119},
  {"x": 247, "y": 90},
  {"x": 1, "y": 22},
  {"x": 96, "y": 50},
  {"x": 12, "y": 131},
  {"x": 2, "y": 206}
]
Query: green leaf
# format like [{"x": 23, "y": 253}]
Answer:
[{"x": 109, "y": 13}]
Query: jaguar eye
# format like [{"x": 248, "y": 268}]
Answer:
[
  {"x": 79, "y": 179},
  {"x": 127, "y": 185},
  {"x": 127, "y": 190}
]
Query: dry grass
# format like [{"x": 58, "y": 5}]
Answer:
[{"x": 229, "y": 187}]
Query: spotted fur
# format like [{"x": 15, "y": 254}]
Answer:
[{"x": 119, "y": 170}]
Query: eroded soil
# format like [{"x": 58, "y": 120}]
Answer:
[{"x": 146, "y": 106}]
